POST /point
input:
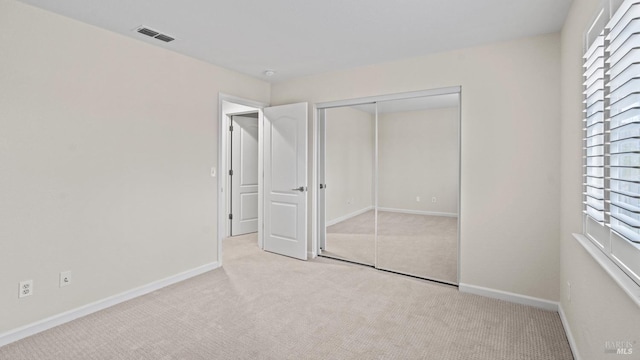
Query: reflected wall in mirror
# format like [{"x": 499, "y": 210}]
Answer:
[
  {"x": 349, "y": 150},
  {"x": 418, "y": 167}
]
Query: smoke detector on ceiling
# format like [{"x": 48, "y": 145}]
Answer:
[{"x": 154, "y": 34}]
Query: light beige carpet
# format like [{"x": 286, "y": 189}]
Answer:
[
  {"x": 420, "y": 245},
  {"x": 266, "y": 306}
]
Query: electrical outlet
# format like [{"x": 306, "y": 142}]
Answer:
[
  {"x": 65, "y": 278},
  {"x": 418, "y": 198},
  {"x": 433, "y": 199},
  {"x": 26, "y": 288}
]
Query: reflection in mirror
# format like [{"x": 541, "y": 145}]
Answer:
[
  {"x": 349, "y": 134},
  {"x": 418, "y": 166}
]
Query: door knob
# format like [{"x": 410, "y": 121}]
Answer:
[{"x": 301, "y": 189}]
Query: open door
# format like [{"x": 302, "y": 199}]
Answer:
[
  {"x": 285, "y": 180},
  {"x": 244, "y": 174}
]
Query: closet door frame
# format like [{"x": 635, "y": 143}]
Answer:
[{"x": 318, "y": 220}]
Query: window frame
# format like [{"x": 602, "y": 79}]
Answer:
[{"x": 618, "y": 250}]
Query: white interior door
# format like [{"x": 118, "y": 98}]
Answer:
[
  {"x": 244, "y": 175},
  {"x": 285, "y": 180}
]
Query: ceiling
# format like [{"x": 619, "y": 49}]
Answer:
[{"x": 297, "y": 37}]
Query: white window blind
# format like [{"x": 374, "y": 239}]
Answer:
[
  {"x": 611, "y": 69},
  {"x": 594, "y": 140},
  {"x": 623, "y": 95}
]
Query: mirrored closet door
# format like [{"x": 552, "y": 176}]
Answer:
[
  {"x": 348, "y": 183},
  {"x": 418, "y": 164},
  {"x": 389, "y": 184}
]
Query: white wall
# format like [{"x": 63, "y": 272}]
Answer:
[
  {"x": 510, "y": 145},
  {"x": 599, "y": 310},
  {"x": 106, "y": 145},
  {"x": 349, "y": 161},
  {"x": 418, "y": 157}
]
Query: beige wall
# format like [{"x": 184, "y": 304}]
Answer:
[
  {"x": 510, "y": 145},
  {"x": 106, "y": 145},
  {"x": 349, "y": 161},
  {"x": 418, "y": 157},
  {"x": 599, "y": 310}
]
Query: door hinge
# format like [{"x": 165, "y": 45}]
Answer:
[
  {"x": 231, "y": 172},
  {"x": 230, "y": 127},
  {"x": 230, "y": 216}
]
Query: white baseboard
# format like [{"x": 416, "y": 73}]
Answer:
[
  {"x": 59, "y": 319},
  {"x": 417, "y": 212},
  {"x": 348, "y": 216},
  {"x": 510, "y": 297},
  {"x": 567, "y": 330}
]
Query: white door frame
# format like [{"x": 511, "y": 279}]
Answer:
[
  {"x": 223, "y": 159},
  {"x": 318, "y": 152},
  {"x": 320, "y": 174}
]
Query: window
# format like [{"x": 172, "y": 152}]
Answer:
[{"x": 612, "y": 134}]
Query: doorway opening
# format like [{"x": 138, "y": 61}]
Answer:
[
  {"x": 243, "y": 174},
  {"x": 249, "y": 113}
]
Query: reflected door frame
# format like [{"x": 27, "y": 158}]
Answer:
[{"x": 319, "y": 152}]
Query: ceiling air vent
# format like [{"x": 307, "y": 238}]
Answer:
[
  {"x": 164, "y": 38},
  {"x": 154, "y": 34}
]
